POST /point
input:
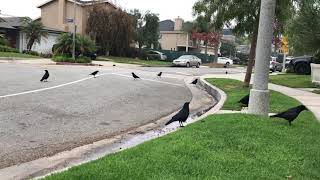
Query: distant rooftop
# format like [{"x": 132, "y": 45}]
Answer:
[
  {"x": 166, "y": 25},
  {"x": 80, "y": 2}
]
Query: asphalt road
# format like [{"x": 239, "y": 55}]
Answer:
[
  {"x": 41, "y": 119},
  {"x": 72, "y": 109}
]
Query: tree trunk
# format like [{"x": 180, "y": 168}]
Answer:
[
  {"x": 30, "y": 44},
  {"x": 252, "y": 56},
  {"x": 206, "y": 51},
  {"x": 216, "y": 49}
]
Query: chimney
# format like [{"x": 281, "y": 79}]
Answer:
[
  {"x": 62, "y": 12},
  {"x": 178, "y": 24}
]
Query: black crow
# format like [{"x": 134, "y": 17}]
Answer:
[
  {"x": 94, "y": 73},
  {"x": 194, "y": 82},
  {"x": 160, "y": 74},
  {"x": 245, "y": 100},
  {"x": 114, "y": 65},
  {"x": 226, "y": 72},
  {"x": 45, "y": 76},
  {"x": 291, "y": 114},
  {"x": 181, "y": 116},
  {"x": 135, "y": 76}
]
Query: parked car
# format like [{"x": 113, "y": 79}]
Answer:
[
  {"x": 188, "y": 61},
  {"x": 156, "y": 55},
  {"x": 224, "y": 60},
  {"x": 300, "y": 65},
  {"x": 275, "y": 65}
]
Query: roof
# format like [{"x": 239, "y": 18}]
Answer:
[
  {"x": 80, "y": 2},
  {"x": 166, "y": 25},
  {"x": 11, "y": 22}
]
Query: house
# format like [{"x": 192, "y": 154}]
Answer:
[
  {"x": 12, "y": 27},
  {"x": 172, "y": 37},
  {"x": 58, "y": 14},
  {"x": 56, "y": 17}
]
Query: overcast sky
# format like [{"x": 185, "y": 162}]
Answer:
[{"x": 167, "y": 9}]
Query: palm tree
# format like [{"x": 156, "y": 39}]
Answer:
[{"x": 34, "y": 31}]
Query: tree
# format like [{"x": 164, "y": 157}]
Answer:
[
  {"x": 227, "y": 49},
  {"x": 211, "y": 12},
  {"x": 112, "y": 30},
  {"x": 151, "y": 31},
  {"x": 138, "y": 23},
  {"x": 245, "y": 15},
  {"x": 34, "y": 31},
  {"x": 304, "y": 29}
]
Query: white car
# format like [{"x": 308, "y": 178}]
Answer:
[
  {"x": 187, "y": 61},
  {"x": 224, "y": 60}
]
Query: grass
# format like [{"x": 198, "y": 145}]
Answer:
[
  {"x": 235, "y": 91},
  {"x": 293, "y": 80},
  {"x": 17, "y": 55},
  {"x": 228, "y": 146},
  {"x": 126, "y": 60}
]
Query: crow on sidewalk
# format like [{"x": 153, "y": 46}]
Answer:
[
  {"x": 181, "y": 116},
  {"x": 194, "y": 81},
  {"x": 135, "y": 76},
  {"x": 245, "y": 100},
  {"x": 291, "y": 114},
  {"x": 159, "y": 75},
  {"x": 45, "y": 76},
  {"x": 94, "y": 74}
]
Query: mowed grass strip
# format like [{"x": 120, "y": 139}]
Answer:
[
  {"x": 126, "y": 60},
  {"x": 228, "y": 146},
  {"x": 17, "y": 55},
  {"x": 293, "y": 80},
  {"x": 235, "y": 91}
]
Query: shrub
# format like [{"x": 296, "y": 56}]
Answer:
[
  {"x": 64, "y": 58},
  {"x": 8, "y": 49},
  {"x": 47, "y": 55},
  {"x": 84, "y": 45},
  {"x": 3, "y": 40},
  {"x": 34, "y": 53}
]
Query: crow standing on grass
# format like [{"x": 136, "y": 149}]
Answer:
[
  {"x": 291, "y": 114},
  {"x": 194, "y": 82},
  {"x": 160, "y": 74},
  {"x": 45, "y": 76},
  {"x": 94, "y": 74},
  {"x": 181, "y": 116},
  {"x": 245, "y": 100},
  {"x": 135, "y": 76}
]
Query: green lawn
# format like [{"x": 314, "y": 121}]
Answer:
[
  {"x": 16, "y": 55},
  {"x": 229, "y": 146},
  {"x": 235, "y": 91},
  {"x": 293, "y": 80},
  {"x": 126, "y": 60}
]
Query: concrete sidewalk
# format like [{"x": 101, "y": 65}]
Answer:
[{"x": 309, "y": 99}]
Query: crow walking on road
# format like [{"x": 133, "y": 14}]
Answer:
[
  {"x": 181, "y": 116},
  {"x": 159, "y": 75},
  {"x": 135, "y": 76},
  {"x": 194, "y": 81},
  {"x": 94, "y": 74},
  {"x": 45, "y": 76},
  {"x": 114, "y": 65},
  {"x": 291, "y": 114},
  {"x": 245, "y": 100}
]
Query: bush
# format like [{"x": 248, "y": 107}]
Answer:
[
  {"x": 8, "y": 49},
  {"x": 84, "y": 45},
  {"x": 3, "y": 41},
  {"x": 47, "y": 55},
  {"x": 63, "y": 58},
  {"x": 33, "y": 53}
]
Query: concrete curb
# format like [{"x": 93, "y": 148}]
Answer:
[{"x": 67, "y": 159}]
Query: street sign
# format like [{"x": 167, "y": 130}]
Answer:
[{"x": 69, "y": 20}]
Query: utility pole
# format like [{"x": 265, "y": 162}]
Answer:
[
  {"x": 74, "y": 32},
  {"x": 259, "y": 95}
]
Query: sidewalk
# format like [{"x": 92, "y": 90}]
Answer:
[{"x": 311, "y": 100}]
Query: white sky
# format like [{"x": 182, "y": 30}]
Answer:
[{"x": 167, "y": 9}]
